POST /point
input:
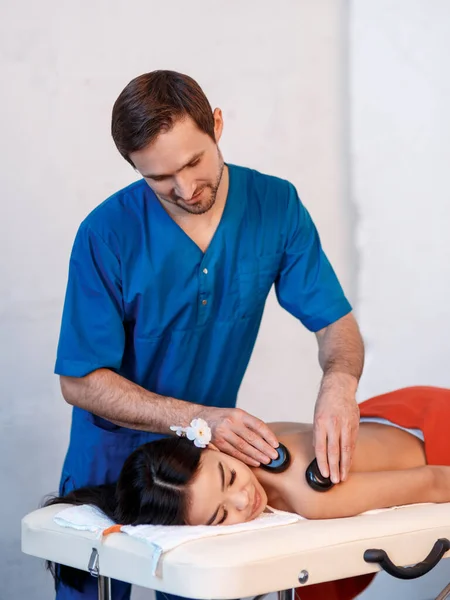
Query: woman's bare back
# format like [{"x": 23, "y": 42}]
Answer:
[{"x": 378, "y": 448}]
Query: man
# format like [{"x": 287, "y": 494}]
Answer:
[{"x": 167, "y": 284}]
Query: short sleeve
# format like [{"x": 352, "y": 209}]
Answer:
[
  {"x": 92, "y": 333},
  {"x": 307, "y": 286}
]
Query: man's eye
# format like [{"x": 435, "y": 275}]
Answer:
[
  {"x": 232, "y": 478},
  {"x": 194, "y": 163}
]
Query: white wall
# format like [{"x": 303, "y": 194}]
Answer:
[
  {"x": 278, "y": 73},
  {"x": 400, "y": 157}
]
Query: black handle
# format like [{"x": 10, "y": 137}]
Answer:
[{"x": 422, "y": 568}]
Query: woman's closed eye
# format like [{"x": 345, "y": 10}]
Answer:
[
  {"x": 225, "y": 512},
  {"x": 224, "y": 517},
  {"x": 232, "y": 478}
]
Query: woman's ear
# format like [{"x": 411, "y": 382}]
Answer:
[{"x": 212, "y": 447}]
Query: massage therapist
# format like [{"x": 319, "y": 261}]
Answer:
[{"x": 167, "y": 284}]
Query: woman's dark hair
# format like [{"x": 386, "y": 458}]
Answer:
[
  {"x": 152, "y": 489},
  {"x": 151, "y": 103}
]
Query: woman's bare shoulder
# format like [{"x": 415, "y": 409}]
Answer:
[
  {"x": 286, "y": 490},
  {"x": 288, "y": 427}
]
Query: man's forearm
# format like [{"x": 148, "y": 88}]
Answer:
[
  {"x": 336, "y": 415},
  {"x": 125, "y": 403},
  {"x": 341, "y": 349}
]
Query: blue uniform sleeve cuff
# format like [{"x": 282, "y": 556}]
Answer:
[
  {"x": 328, "y": 316},
  {"x": 75, "y": 368}
]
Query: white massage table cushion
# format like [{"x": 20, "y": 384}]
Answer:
[{"x": 250, "y": 563}]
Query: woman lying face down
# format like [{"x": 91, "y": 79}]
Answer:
[
  {"x": 389, "y": 469},
  {"x": 172, "y": 482}
]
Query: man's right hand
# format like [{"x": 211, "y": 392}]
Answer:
[{"x": 240, "y": 434}]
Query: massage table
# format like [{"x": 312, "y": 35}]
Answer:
[{"x": 407, "y": 542}]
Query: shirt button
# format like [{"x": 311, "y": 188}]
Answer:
[
  {"x": 205, "y": 271},
  {"x": 204, "y": 302}
]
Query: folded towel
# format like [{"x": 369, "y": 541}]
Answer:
[
  {"x": 84, "y": 518},
  {"x": 163, "y": 538}
]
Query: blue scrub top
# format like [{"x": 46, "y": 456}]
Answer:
[{"x": 143, "y": 300}]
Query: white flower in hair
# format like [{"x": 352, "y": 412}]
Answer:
[
  {"x": 178, "y": 429},
  {"x": 198, "y": 431}
]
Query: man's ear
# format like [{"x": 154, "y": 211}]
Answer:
[{"x": 218, "y": 124}]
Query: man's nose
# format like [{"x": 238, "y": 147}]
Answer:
[
  {"x": 184, "y": 188},
  {"x": 241, "y": 499}
]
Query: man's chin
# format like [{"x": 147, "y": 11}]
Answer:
[{"x": 197, "y": 208}]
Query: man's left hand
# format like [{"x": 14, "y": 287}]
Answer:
[{"x": 336, "y": 424}]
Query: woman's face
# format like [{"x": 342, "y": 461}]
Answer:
[{"x": 225, "y": 491}]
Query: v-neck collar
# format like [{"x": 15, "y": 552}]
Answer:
[{"x": 226, "y": 217}]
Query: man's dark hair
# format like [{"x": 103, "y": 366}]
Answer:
[{"x": 151, "y": 104}]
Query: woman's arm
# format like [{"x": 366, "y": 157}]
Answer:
[{"x": 378, "y": 489}]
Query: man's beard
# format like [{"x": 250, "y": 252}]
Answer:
[{"x": 205, "y": 204}]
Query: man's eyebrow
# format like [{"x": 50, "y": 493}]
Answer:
[
  {"x": 164, "y": 175},
  {"x": 222, "y": 479}
]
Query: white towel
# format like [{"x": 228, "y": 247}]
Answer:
[
  {"x": 163, "y": 538},
  {"x": 84, "y": 518}
]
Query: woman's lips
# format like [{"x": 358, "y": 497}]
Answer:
[{"x": 256, "y": 503}]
